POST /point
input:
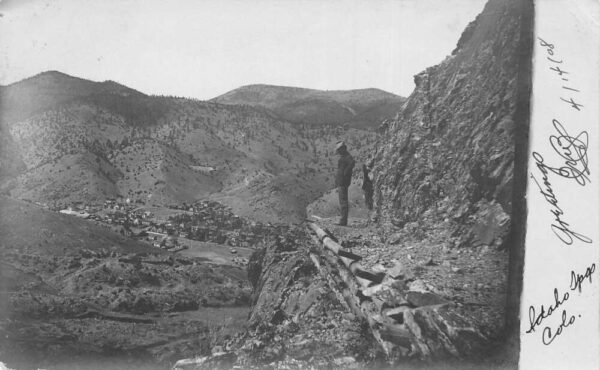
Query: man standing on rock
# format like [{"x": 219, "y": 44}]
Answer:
[{"x": 342, "y": 179}]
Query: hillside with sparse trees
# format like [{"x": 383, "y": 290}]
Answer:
[{"x": 79, "y": 140}]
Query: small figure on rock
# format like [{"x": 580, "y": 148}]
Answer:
[
  {"x": 342, "y": 179},
  {"x": 367, "y": 187}
]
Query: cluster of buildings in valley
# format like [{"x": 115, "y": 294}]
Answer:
[
  {"x": 111, "y": 212},
  {"x": 205, "y": 221},
  {"x": 214, "y": 222}
]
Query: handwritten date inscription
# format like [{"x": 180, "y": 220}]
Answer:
[
  {"x": 572, "y": 151},
  {"x": 569, "y": 163}
]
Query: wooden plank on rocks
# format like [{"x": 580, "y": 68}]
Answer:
[{"x": 356, "y": 269}]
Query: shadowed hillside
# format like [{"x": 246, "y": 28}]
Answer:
[{"x": 25, "y": 228}]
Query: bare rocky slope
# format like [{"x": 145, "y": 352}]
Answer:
[{"x": 450, "y": 152}]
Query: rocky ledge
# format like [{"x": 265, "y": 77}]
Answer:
[{"x": 311, "y": 311}]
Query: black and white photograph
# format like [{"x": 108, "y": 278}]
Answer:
[{"x": 299, "y": 184}]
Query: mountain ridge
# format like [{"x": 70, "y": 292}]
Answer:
[
  {"x": 308, "y": 89},
  {"x": 20, "y": 99},
  {"x": 71, "y": 139},
  {"x": 361, "y": 108}
]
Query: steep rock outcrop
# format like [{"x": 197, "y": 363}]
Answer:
[
  {"x": 298, "y": 319},
  {"x": 449, "y": 153}
]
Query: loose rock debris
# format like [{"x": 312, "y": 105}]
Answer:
[{"x": 311, "y": 311}]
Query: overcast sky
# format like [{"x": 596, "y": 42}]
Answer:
[{"x": 202, "y": 49}]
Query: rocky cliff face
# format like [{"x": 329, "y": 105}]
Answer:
[
  {"x": 449, "y": 153},
  {"x": 299, "y": 320}
]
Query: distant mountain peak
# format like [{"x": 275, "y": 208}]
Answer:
[
  {"x": 363, "y": 108},
  {"x": 21, "y": 99},
  {"x": 53, "y": 73},
  {"x": 60, "y": 77},
  {"x": 42, "y": 76},
  {"x": 307, "y": 89}
]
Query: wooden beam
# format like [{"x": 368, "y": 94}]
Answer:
[{"x": 345, "y": 256}]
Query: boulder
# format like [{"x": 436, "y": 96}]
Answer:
[{"x": 420, "y": 299}]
